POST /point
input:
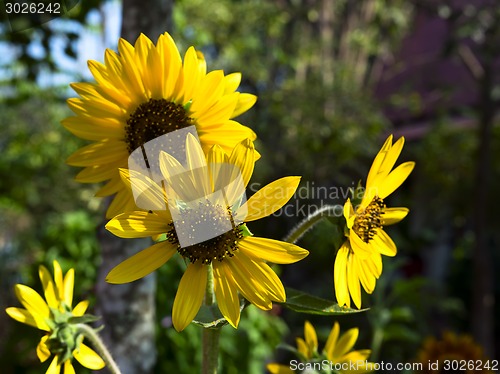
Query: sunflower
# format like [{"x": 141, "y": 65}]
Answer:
[
  {"x": 205, "y": 224},
  {"x": 452, "y": 349},
  {"x": 337, "y": 350},
  {"x": 359, "y": 258},
  {"x": 52, "y": 316},
  {"x": 141, "y": 93}
]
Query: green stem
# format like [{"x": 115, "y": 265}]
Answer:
[
  {"x": 99, "y": 345},
  {"x": 308, "y": 223},
  {"x": 210, "y": 336}
]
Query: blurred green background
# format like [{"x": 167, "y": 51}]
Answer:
[{"x": 333, "y": 78}]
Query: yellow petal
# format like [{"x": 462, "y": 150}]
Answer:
[
  {"x": 340, "y": 275},
  {"x": 68, "y": 367},
  {"x": 88, "y": 358},
  {"x": 34, "y": 304},
  {"x": 58, "y": 279},
  {"x": 192, "y": 72},
  {"x": 358, "y": 246},
  {"x": 345, "y": 343},
  {"x": 142, "y": 263},
  {"x": 247, "y": 286},
  {"x": 42, "y": 351},
  {"x": 245, "y": 102},
  {"x": 361, "y": 356},
  {"x": 262, "y": 277},
  {"x": 302, "y": 347},
  {"x": 243, "y": 157},
  {"x": 23, "y": 316},
  {"x": 310, "y": 337},
  {"x": 94, "y": 128},
  {"x": 366, "y": 278},
  {"x": 103, "y": 152},
  {"x": 55, "y": 366},
  {"x": 349, "y": 214},
  {"x": 226, "y": 293},
  {"x": 80, "y": 308},
  {"x": 219, "y": 112},
  {"x": 395, "y": 179},
  {"x": 147, "y": 193},
  {"x": 48, "y": 287},
  {"x": 122, "y": 202},
  {"x": 197, "y": 165},
  {"x": 379, "y": 158},
  {"x": 274, "y": 251},
  {"x": 172, "y": 63},
  {"x": 218, "y": 161},
  {"x": 227, "y": 135},
  {"x": 97, "y": 173},
  {"x": 189, "y": 295},
  {"x": 384, "y": 244},
  {"x": 353, "y": 281},
  {"x": 137, "y": 225},
  {"x": 331, "y": 342},
  {"x": 391, "y": 156},
  {"x": 69, "y": 281},
  {"x": 210, "y": 89},
  {"x": 270, "y": 198},
  {"x": 373, "y": 264},
  {"x": 394, "y": 215},
  {"x": 231, "y": 82},
  {"x": 274, "y": 368},
  {"x": 110, "y": 188}
]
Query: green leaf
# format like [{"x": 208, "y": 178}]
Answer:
[{"x": 302, "y": 302}]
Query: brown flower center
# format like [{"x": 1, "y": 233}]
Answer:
[
  {"x": 207, "y": 217},
  {"x": 370, "y": 220},
  {"x": 152, "y": 119}
]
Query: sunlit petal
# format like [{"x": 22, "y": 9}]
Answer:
[
  {"x": 226, "y": 293},
  {"x": 88, "y": 358},
  {"x": 270, "y": 198},
  {"x": 142, "y": 263},
  {"x": 274, "y": 251},
  {"x": 189, "y": 295}
]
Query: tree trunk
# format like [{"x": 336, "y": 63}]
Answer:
[
  {"x": 128, "y": 311},
  {"x": 483, "y": 322}
]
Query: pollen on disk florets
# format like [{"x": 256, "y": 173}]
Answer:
[
  {"x": 208, "y": 216},
  {"x": 152, "y": 119},
  {"x": 368, "y": 221}
]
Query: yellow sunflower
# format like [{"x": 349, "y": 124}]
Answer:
[
  {"x": 359, "y": 258},
  {"x": 206, "y": 203},
  {"x": 338, "y": 351},
  {"x": 453, "y": 353},
  {"x": 143, "y": 92},
  {"x": 52, "y": 316}
]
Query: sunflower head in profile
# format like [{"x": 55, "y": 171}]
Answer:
[
  {"x": 143, "y": 92},
  {"x": 451, "y": 349},
  {"x": 359, "y": 259},
  {"x": 54, "y": 316},
  {"x": 338, "y": 351},
  {"x": 200, "y": 210}
]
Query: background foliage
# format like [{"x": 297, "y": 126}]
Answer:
[{"x": 315, "y": 66}]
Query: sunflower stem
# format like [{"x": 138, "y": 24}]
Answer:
[
  {"x": 100, "y": 347},
  {"x": 210, "y": 336},
  {"x": 308, "y": 223}
]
